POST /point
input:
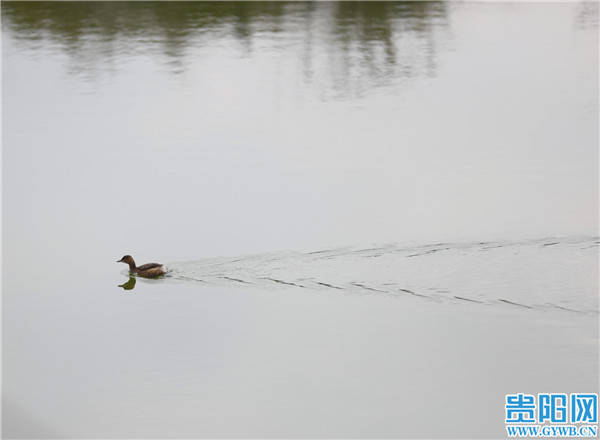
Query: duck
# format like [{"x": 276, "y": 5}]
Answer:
[{"x": 149, "y": 270}]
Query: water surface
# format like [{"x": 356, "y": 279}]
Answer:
[{"x": 379, "y": 148}]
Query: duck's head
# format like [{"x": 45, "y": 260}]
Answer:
[{"x": 127, "y": 259}]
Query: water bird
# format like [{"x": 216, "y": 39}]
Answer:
[{"x": 149, "y": 270}]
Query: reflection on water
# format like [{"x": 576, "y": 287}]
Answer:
[
  {"x": 588, "y": 14},
  {"x": 129, "y": 285},
  {"x": 350, "y": 45}
]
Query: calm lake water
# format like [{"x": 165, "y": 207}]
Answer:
[{"x": 195, "y": 134}]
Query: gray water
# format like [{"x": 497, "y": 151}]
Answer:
[{"x": 435, "y": 163}]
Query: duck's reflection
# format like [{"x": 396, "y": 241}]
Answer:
[{"x": 129, "y": 285}]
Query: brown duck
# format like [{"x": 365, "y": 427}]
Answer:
[{"x": 150, "y": 270}]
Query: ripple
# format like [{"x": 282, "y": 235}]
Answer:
[{"x": 514, "y": 273}]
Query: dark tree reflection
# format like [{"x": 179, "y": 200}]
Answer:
[
  {"x": 368, "y": 43},
  {"x": 588, "y": 15}
]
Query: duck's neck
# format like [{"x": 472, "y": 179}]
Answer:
[{"x": 132, "y": 266}]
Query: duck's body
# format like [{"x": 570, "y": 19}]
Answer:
[{"x": 150, "y": 270}]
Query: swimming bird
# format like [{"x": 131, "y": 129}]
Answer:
[{"x": 150, "y": 270}]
